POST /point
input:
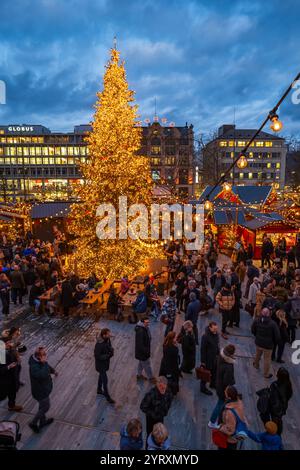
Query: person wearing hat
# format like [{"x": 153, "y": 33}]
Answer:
[
  {"x": 267, "y": 335},
  {"x": 269, "y": 439},
  {"x": 224, "y": 378}
]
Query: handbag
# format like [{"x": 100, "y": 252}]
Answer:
[
  {"x": 203, "y": 374},
  {"x": 219, "y": 438}
]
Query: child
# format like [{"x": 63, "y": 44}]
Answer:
[
  {"x": 131, "y": 436},
  {"x": 159, "y": 438},
  {"x": 270, "y": 440}
]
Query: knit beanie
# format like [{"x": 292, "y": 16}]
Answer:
[{"x": 271, "y": 427}]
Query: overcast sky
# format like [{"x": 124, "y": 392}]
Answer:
[{"x": 200, "y": 59}]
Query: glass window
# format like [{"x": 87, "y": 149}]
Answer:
[
  {"x": 13, "y": 161},
  {"x": 26, "y": 161},
  {"x": 155, "y": 161},
  {"x": 39, "y": 161},
  {"x": 82, "y": 150},
  {"x": 169, "y": 160},
  {"x": 70, "y": 151},
  {"x": 32, "y": 150},
  {"x": 231, "y": 143},
  {"x": 51, "y": 150},
  {"x": 155, "y": 150},
  {"x": 71, "y": 161},
  {"x": 45, "y": 150},
  {"x": 241, "y": 143},
  {"x": 40, "y": 140},
  {"x": 63, "y": 150},
  {"x": 51, "y": 161},
  {"x": 46, "y": 161},
  {"x": 223, "y": 143},
  {"x": 76, "y": 151},
  {"x": 38, "y": 150},
  {"x": 259, "y": 144},
  {"x": 268, "y": 144},
  {"x": 25, "y": 151},
  {"x": 57, "y": 150},
  {"x": 20, "y": 161},
  {"x": 155, "y": 174},
  {"x": 250, "y": 176},
  {"x": 19, "y": 150},
  {"x": 268, "y": 165},
  {"x": 59, "y": 161},
  {"x": 241, "y": 176},
  {"x": 277, "y": 165}
]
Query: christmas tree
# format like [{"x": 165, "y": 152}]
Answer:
[{"x": 113, "y": 169}]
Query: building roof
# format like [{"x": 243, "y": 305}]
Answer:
[
  {"x": 230, "y": 132},
  {"x": 50, "y": 209},
  {"x": 229, "y": 216},
  {"x": 246, "y": 194}
]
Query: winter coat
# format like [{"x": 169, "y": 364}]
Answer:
[
  {"x": 152, "y": 445},
  {"x": 260, "y": 297},
  {"x": 140, "y": 304},
  {"x": 155, "y": 405},
  {"x": 252, "y": 272},
  {"x": 170, "y": 361},
  {"x": 17, "y": 280},
  {"x": 225, "y": 299},
  {"x": 214, "y": 279},
  {"x": 267, "y": 248},
  {"x": 280, "y": 394},
  {"x": 66, "y": 294},
  {"x": 225, "y": 374},
  {"x": 180, "y": 286},
  {"x": 254, "y": 288},
  {"x": 188, "y": 344},
  {"x": 142, "y": 342},
  {"x": 268, "y": 441},
  {"x": 169, "y": 308},
  {"x": 8, "y": 377},
  {"x": 284, "y": 337},
  {"x": 193, "y": 310},
  {"x": 210, "y": 349},
  {"x": 112, "y": 304},
  {"x": 281, "y": 294},
  {"x": 40, "y": 378},
  {"x": 228, "y": 419},
  {"x": 103, "y": 352},
  {"x": 34, "y": 294},
  {"x": 241, "y": 272},
  {"x": 271, "y": 303},
  {"x": 287, "y": 308},
  {"x": 266, "y": 332},
  {"x": 129, "y": 443}
]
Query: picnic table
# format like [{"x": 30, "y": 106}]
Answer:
[
  {"x": 95, "y": 297},
  {"x": 48, "y": 295}
]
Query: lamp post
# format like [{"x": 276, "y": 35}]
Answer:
[{"x": 276, "y": 126}]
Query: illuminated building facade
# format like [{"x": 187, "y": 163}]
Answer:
[
  {"x": 37, "y": 164},
  {"x": 266, "y": 157}
]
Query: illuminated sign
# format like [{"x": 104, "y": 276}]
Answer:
[{"x": 20, "y": 128}]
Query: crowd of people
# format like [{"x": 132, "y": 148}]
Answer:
[{"x": 198, "y": 285}]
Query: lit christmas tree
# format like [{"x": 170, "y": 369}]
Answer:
[{"x": 112, "y": 170}]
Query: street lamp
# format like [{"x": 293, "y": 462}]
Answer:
[
  {"x": 207, "y": 205},
  {"x": 227, "y": 186}
]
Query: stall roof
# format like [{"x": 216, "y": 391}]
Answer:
[
  {"x": 50, "y": 209},
  {"x": 246, "y": 194}
]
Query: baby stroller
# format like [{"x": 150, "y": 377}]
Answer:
[{"x": 9, "y": 435}]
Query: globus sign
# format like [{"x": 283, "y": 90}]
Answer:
[{"x": 20, "y": 128}]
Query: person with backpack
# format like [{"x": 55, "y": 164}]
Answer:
[
  {"x": 267, "y": 335},
  {"x": 232, "y": 419},
  {"x": 224, "y": 378},
  {"x": 292, "y": 309},
  {"x": 273, "y": 401},
  {"x": 269, "y": 439},
  {"x": 143, "y": 350}
]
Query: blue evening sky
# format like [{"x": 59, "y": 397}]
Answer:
[{"x": 199, "y": 58}]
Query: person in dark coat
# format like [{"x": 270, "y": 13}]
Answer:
[
  {"x": 280, "y": 319},
  {"x": 103, "y": 353},
  {"x": 9, "y": 381},
  {"x": 192, "y": 313},
  {"x": 143, "y": 349},
  {"x": 224, "y": 378},
  {"x": 156, "y": 404},
  {"x": 250, "y": 252},
  {"x": 169, "y": 366},
  {"x": 180, "y": 284},
  {"x": 292, "y": 322},
  {"x": 210, "y": 349},
  {"x": 17, "y": 285},
  {"x": 131, "y": 436},
  {"x": 267, "y": 336},
  {"x": 267, "y": 250},
  {"x": 188, "y": 344},
  {"x": 113, "y": 304},
  {"x": 281, "y": 391},
  {"x": 41, "y": 387},
  {"x": 66, "y": 296},
  {"x": 35, "y": 292},
  {"x": 4, "y": 293}
]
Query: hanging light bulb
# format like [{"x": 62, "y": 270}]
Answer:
[
  {"x": 207, "y": 205},
  {"x": 227, "y": 186},
  {"x": 242, "y": 162},
  {"x": 276, "y": 125}
]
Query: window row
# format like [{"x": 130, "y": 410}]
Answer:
[
  {"x": 49, "y": 150},
  {"x": 39, "y": 171},
  {"x": 256, "y": 143}
]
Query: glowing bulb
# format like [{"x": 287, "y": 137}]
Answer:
[
  {"x": 242, "y": 162},
  {"x": 207, "y": 205},
  {"x": 227, "y": 186},
  {"x": 276, "y": 125}
]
